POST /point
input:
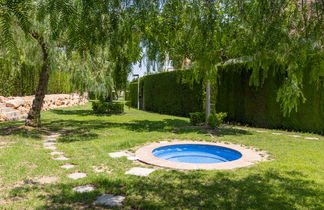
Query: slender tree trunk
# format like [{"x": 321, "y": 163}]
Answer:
[
  {"x": 111, "y": 98},
  {"x": 34, "y": 114},
  {"x": 207, "y": 100}
]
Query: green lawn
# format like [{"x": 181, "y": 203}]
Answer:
[{"x": 293, "y": 180}]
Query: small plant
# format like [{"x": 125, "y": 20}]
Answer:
[
  {"x": 100, "y": 107},
  {"x": 197, "y": 118},
  {"x": 216, "y": 119}
]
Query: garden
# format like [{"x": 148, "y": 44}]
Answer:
[{"x": 151, "y": 104}]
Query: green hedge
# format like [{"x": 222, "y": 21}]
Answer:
[
  {"x": 101, "y": 107},
  {"x": 168, "y": 93},
  {"x": 132, "y": 95},
  {"x": 257, "y": 106}
]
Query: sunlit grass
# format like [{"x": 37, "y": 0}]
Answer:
[{"x": 293, "y": 180}]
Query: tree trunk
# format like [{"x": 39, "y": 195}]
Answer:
[
  {"x": 111, "y": 98},
  {"x": 207, "y": 100},
  {"x": 34, "y": 114}
]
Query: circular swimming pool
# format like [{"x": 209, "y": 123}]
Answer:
[{"x": 196, "y": 153}]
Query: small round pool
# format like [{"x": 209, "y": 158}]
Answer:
[{"x": 196, "y": 153}]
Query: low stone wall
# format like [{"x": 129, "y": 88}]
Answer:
[{"x": 23, "y": 104}]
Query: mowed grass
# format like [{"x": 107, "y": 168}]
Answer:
[{"x": 294, "y": 179}]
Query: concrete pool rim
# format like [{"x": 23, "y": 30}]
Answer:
[{"x": 249, "y": 156}]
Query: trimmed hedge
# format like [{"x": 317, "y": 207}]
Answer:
[
  {"x": 257, "y": 106},
  {"x": 168, "y": 93},
  {"x": 132, "y": 95},
  {"x": 100, "y": 107}
]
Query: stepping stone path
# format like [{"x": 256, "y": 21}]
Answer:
[
  {"x": 118, "y": 154},
  {"x": 137, "y": 171},
  {"x": 77, "y": 175},
  {"x": 312, "y": 138},
  {"x": 57, "y": 153},
  {"x": 277, "y": 134},
  {"x": 132, "y": 158},
  {"x": 83, "y": 189},
  {"x": 67, "y": 166},
  {"x": 49, "y": 144},
  {"x": 261, "y": 131},
  {"x": 109, "y": 200},
  {"x": 61, "y": 158},
  {"x": 294, "y": 136},
  {"x": 50, "y": 147}
]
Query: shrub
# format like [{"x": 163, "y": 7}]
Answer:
[
  {"x": 215, "y": 119},
  {"x": 197, "y": 118},
  {"x": 100, "y": 107}
]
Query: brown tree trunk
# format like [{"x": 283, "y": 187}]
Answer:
[{"x": 34, "y": 114}]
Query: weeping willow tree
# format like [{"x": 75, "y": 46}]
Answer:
[
  {"x": 284, "y": 36},
  {"x": 96, "y": 38},
  {"x": 101, "y": 39}
]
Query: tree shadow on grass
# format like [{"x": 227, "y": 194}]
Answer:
[
  {"x": 195, "y": 190},
  {"x": 17, "y": 128},
  {"x": 75, "y": 130},
  {"x": 81, "y": 112}
]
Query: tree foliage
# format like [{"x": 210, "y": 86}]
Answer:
[{"x": 102, "y": 38}]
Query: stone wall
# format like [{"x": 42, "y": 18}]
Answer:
[{"x": 23, "y": 104}]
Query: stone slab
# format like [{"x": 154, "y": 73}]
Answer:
[
  {"x": 51, "y": 147},
  {"x": 118, "y": 154},
  {"x": 61, "y": 158},
  {"x": 137, "y": 171},
  {"x": 312, "y": 138},
  {"x": 259, "y": 131},
  {"x": 83, "y": 189},
  {"x": 277, "y": 134},
  {"x": 295, "y": 136},
  {"x": 77, "y": 175},
  {"x": 132, "y": 158},
  {"x": 109, "y": 200},
  {"x": 54, "y": 135},
  {"x": 67, "y": 166},
  {"x": 57, "y": 153},
  {"x": 49, "y": 144}
]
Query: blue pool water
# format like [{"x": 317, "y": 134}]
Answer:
[{"x": 196, "y": 153}]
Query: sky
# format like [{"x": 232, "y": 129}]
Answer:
[{"x": 137, "y": 70}]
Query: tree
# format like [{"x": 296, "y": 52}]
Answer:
[{"x": 266, "y": 36}]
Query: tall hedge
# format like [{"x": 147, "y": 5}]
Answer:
[
  {"x": 168, "y": 93},
  {"x": 258, "y": 106},
  {"x": 132, "y": 95}
]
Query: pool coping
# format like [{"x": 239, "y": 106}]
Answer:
[{"x": 249, "y": 156}]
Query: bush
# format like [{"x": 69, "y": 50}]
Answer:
[
  {"x": 216, "y": 119},
  {"x": 100, "y": 107},
  {"x": 197, "y": 118}
]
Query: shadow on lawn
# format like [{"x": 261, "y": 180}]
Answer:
[
  {"x": 197, "y": 190},
  {"x": 17, "y": 128},
  {"x": 75, "y": 130}
]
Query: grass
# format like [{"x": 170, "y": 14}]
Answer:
[{"x": 293, "y": 180}]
